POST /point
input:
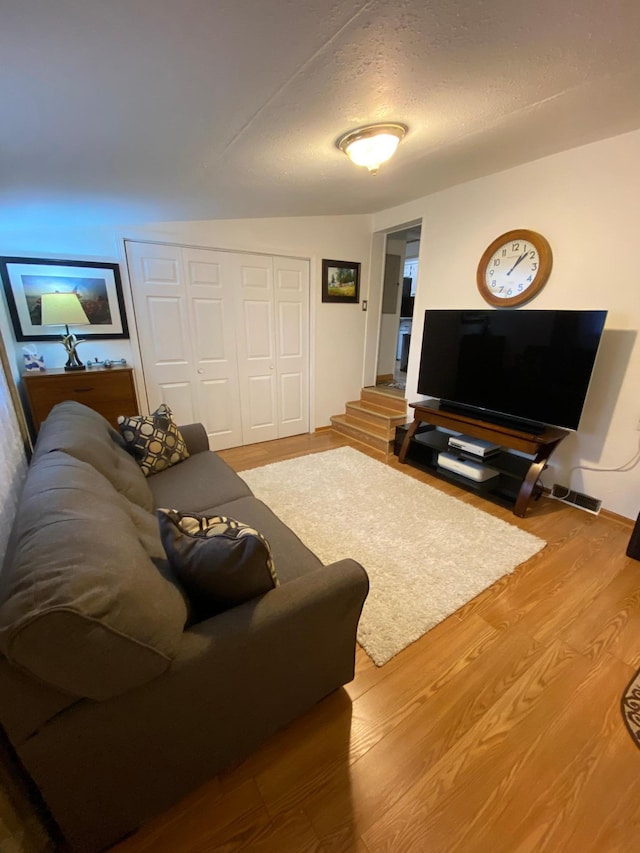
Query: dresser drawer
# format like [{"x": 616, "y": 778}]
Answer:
[{"x": 110, "y": 392}]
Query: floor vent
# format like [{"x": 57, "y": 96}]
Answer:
[{"x": 570, "y": 496}]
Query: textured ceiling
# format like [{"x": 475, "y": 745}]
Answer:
[{"x": 156, "y": 109}]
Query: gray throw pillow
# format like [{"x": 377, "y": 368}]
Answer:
[{"x": 219, "y": 561}]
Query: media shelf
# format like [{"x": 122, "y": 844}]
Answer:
[{"x": 420, "y": 442}]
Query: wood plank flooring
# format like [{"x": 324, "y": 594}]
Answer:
[{"x": 499, "y": 730}]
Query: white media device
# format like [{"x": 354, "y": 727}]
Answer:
[
  {"x": 475, "y": 446},
  {"x": 466, "y": 468}
]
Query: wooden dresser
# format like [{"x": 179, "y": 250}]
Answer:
[{"x": 110, "y": 391}]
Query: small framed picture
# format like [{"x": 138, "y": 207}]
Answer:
[
  {"x": 340, "y": 281},
  {"x": 97, "y": 286}
]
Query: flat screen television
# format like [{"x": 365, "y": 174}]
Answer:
[{"x": 528, "y": 368}]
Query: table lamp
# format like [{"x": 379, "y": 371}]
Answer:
[{"x": 60, "y": 309}]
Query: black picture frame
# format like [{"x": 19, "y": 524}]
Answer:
[
  {"x": 26, "y": 279},
  {"x": 340, "y": 281}
]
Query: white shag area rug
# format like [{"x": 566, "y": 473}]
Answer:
[{"x": 426, "y": 553}]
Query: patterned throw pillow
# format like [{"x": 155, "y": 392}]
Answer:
[
  {"x": 220, "y": 562},
  {"x": 154, "y": 440}
]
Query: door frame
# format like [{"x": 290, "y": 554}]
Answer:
[{"x": 376, "y": 282}]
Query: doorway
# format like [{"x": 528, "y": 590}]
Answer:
[{"x": 398, "y": 298}]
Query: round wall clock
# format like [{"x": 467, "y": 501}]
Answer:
[{"x": 514, "y": 268}]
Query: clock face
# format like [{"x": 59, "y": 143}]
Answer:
[{"x": 514, "y": 268}]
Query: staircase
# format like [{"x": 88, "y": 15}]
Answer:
[{"x": 373, "y": 418}]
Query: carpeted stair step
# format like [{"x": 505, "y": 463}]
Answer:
[
  {"x": 390, "y": 399},
  {"x": 382, "y": 421},
  {"x": 360, "y": 432}
]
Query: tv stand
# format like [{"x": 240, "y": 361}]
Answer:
[{"x": 518, "y": 475}]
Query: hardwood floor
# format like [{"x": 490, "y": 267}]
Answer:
[{"x": 499, "y": 730}]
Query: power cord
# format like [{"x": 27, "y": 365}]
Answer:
[{"x": 627, "y": 466}]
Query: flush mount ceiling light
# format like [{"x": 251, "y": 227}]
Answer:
[{"x": 372, "y": 145}]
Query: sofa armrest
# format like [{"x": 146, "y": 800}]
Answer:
[
  {"x": 195, "y": 437},
  {"x": 237, "y": 678},
  {"x": 318, "y": 604}
]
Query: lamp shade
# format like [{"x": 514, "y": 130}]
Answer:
[{"x": 60, "y": 309}]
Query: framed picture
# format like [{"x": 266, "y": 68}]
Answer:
[
  {"x": 340, "y": 281},
  {"x": 96, "y": 284}
]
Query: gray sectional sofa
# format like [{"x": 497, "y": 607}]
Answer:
[{"x": 115, "y": 704}]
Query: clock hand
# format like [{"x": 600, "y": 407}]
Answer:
[{"x": 521, "y": 258}]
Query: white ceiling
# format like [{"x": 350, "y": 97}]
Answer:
[{"x": 197, "y": 109}]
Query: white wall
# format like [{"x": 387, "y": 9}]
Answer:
[
  {"x": 337, "y": 334},
  {"x": 585, "y": 202}
]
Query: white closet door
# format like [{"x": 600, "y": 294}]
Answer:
[
  {"x": 183, "y": 301},
  {"x": 256, "y": 347},
  {"x": 210, "y": 301},
  {"x": 224, "y": 339},
  {"x": 162, "y": 317},
  {"x": 291, "y": 285}
]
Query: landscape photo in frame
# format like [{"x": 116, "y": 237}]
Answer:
[{"x": 340, "y": 281}]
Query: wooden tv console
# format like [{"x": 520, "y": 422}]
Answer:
[{"x": 518, "y": 475}]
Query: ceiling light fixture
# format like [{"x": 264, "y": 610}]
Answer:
[{"x": 372, "y": 145}]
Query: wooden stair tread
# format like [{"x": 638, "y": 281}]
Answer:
[
  {"x": 375, "y": 410},
  {"x": 396, "y": 402},
  {"x": 383, "y": 429},
  {"x": 360, "y": 432}
]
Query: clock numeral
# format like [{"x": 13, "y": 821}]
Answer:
[
  {"x": 509, "y": 292},
  {"x": 492, "y": 272},
  {"x": 534, "y": 266},
  {"x": 520, "y": 288},
  {"x": 496, "y": 262},
  {"x": 501, "y": 288},
  {"x": 504, "y": 253},
  {"x": 532, "y": 254},
  {"x": 515, "y": 247},
  {"x": 530, "y": 279}
]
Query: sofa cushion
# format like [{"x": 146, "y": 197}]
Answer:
[
  {"x": 291, "y": 556},
  {"x": 219, "y": 561},
  {"x": 84, "y": 434},
  {"x": 200, "y": 482},
  {"x": 154, "y": 440},
  {"x": 87, "y": 602}
]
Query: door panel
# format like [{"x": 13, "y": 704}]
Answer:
[
  {"x": 290, "y": 329},
  {"x": 177, "y": 395},
  {"x": 162, "y": 318},
  {"x": 209, "y": 329},
  {"x": 256, "y": 348},
  {"x": 291, "y": 397},
  {"x": 209, "y": 277},
  {"x": 167, "y": 325},
  {"x": 291, "y": 278},
  {"x": 217, "y": 399}
]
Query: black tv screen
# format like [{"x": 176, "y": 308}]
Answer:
[{"x": 528, "y": 366}]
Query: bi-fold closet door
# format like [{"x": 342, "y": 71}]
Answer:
[{"x": 224, "y": 339}]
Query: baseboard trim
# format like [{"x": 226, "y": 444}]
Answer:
[{"x": 620, "y": 519}]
